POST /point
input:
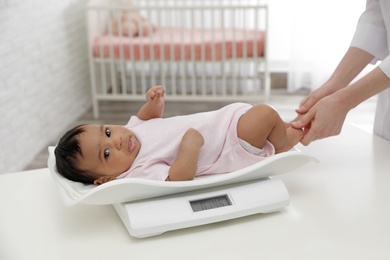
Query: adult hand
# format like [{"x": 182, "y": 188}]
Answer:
[
  {"x": 308, "y": 102},
  {"x": 325, "y": 118},
  {"x": 323, "y": 112}
]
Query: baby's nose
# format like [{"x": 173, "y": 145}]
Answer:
[{"x": 118, "y": 142}]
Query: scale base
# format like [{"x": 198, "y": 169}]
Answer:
[{"x": 158, "y": 215}]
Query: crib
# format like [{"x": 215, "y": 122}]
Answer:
[{"x": 200, "y": 50}]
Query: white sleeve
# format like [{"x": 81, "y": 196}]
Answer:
[
  {"x": 371, "y": 35},
  {"x": 133, "y": 121}
]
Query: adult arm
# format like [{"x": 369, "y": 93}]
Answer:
[
  {"x": 353, "y": 62},
  {"x": 327, "y": 116},
  {"x": 323, "y": 112}
]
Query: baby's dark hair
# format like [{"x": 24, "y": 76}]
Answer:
[{"x": 67, "y": 154}]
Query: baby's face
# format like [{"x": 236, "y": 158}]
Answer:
[{"x": 108, "y": 150}]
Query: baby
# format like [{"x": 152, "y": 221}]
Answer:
[{"x": 176, "y": 148}]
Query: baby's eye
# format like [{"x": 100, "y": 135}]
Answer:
[
  {"x": 106, "y": 153},
  {"x": 108, "y": 132}
]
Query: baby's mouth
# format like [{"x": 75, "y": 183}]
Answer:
[{"x": 131, "y": 144}]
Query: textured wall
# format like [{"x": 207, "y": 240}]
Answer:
[{"x": 44, "y": 75}]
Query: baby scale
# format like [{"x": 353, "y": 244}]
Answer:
[
  {"x": 149, "y": 208},
  {"x": 158, "y": 215}
]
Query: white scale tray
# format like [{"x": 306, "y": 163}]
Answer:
[{"x": 129, "y": 195}]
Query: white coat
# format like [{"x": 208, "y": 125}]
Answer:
[{"x": 373, "y": 35}]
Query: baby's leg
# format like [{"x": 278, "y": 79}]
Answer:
[{"x": 261, "y": 123}]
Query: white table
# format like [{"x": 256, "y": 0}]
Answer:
[{"x": 339, "y": 209}]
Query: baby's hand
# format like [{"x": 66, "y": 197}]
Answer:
[
  {"x": 155, "y": 93},
  {"x": 193, "y": 138}
]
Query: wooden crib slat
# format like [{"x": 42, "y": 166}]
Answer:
[
  {"x": 192, "y": 47},
  {"x": 203, "y": 54},
  {"x": 121, "y": 62},
  {"x": 234, "y": 63},
  {"x": 161, "y": 61},
  {"x": 102, "y": 66}
]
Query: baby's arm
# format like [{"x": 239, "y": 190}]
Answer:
[
  {"x": 154, "y": 107},
  {"x": 185, "y": 166}
]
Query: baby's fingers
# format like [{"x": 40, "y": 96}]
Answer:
[
  {"x": 150, "y": 95},
  {"x": 160, "y": 91}
]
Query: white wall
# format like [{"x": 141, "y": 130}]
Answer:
[
  {"x": 308, "y": 38},
  {"x": 44, "y": 76}
]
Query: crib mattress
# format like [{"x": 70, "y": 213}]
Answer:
[{"x": 176, "y": 44}]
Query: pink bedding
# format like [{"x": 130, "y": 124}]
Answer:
[{"x": 169, "y": 43}]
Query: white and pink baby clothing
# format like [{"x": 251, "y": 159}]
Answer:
[{"x": 222, "y": 151}]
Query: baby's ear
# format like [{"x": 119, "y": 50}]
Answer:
[{"x": 103, "y": 179}]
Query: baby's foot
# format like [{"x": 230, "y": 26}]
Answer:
[{"x": 293, "y": 137}]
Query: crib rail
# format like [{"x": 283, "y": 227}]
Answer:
[{"x": 201, "y": 50}]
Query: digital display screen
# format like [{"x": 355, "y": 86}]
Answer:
[{"x": 210, "y": 203}]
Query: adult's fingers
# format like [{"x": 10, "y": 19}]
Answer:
[
  {"x": 309, "y": 137},
  {"x": 303, "y": 121},
  {"x": 307, "y": 103}
]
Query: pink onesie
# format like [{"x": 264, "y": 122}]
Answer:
[{"x": 222, "y": 152}]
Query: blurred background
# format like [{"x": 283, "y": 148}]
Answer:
[{"x": 45, "y": 80}]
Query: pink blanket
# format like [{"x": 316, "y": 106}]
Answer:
[{"x": 183, "y": 44}]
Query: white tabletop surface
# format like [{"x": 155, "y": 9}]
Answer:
[{"x": 339, "y": 209}]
